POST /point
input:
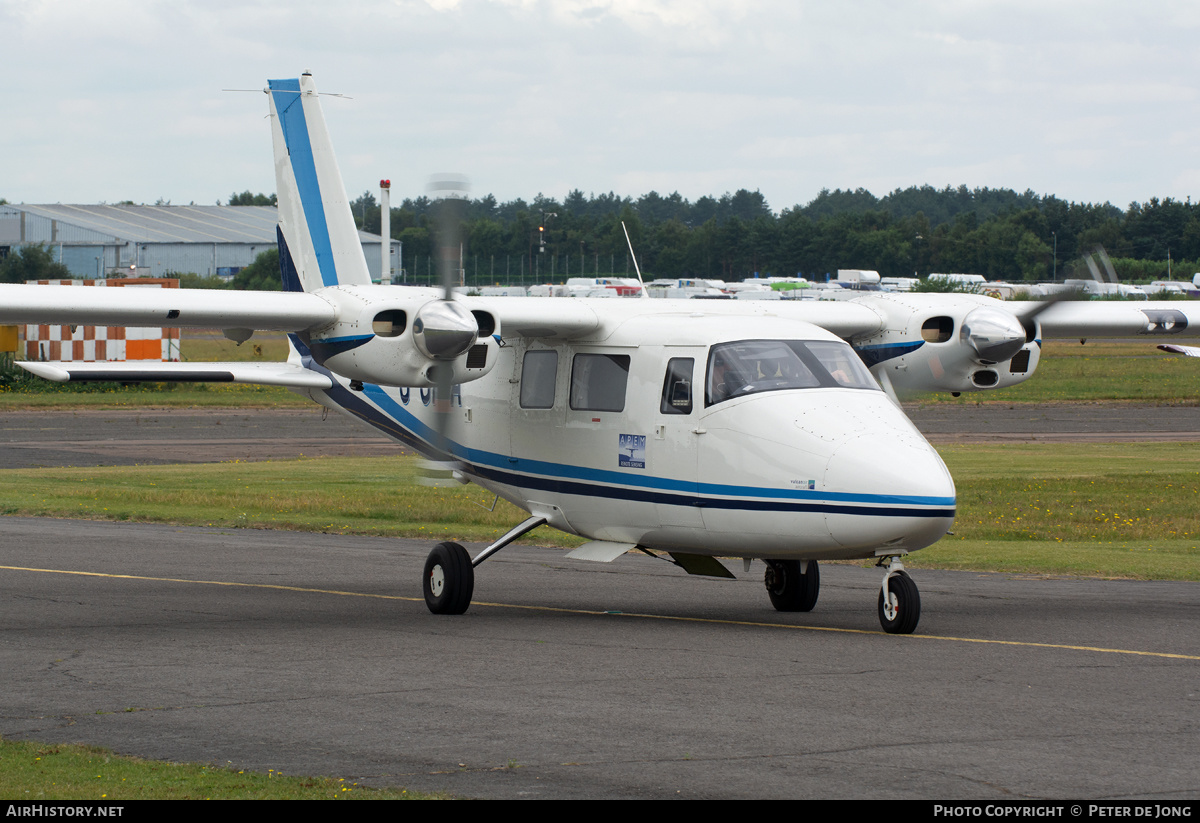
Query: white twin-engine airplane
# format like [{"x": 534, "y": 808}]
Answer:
[{"x": 744, "y": 429}]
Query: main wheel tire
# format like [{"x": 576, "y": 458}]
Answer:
[
  {"x": 449, "y": 579},
  {"x": 903, "y": 613},
  {"x": 789, "y": 590}
]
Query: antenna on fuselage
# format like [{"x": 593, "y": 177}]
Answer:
[{"x": 636, "y": 268}]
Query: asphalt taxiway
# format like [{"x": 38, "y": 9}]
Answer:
[{"x": 315, "y": 654}]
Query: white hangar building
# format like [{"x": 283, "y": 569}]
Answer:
[{"x": 156, "y": 241}]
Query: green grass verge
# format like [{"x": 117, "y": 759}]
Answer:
[
  {"x": 348, "y": 495},
  {"x": 1110, "y": 510},
  {"x": 1098, "y": 371},
  {"x": 157, "y": 395},
  {"x": 38, "y": 772}
]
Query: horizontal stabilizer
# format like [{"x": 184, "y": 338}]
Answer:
[
  {"x": 267, "y": 374},
  {"x": 173, "y": 308}
]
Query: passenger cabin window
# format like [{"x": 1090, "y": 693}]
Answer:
[
  {"x": 677, "y": 386},
  {"x": 753, "y": 366},
  {"x": 598, "y": 382},
  {"x": 538, "y": 372}
]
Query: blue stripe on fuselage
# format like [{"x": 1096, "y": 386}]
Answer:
[
  {"x": 873, "y": 355},
  {"x": 286, "y": 94},
  {"x": 325, "y": 348}
]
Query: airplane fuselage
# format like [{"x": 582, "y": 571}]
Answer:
[{"x": 622, "y": 437}]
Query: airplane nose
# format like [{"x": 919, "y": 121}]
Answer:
[
  {"x": 995, "y": 335},
  {"x": 903, "y": 496}
]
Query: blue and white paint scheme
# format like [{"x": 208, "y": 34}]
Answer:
[{"x": 690, "y": 430}]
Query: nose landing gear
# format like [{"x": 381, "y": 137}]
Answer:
[{"x": 899, "y": 600}]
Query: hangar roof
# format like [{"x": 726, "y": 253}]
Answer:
[{"x": 166, "y": 224}]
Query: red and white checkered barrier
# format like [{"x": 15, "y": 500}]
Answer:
[{"x": 88, "y": 344}]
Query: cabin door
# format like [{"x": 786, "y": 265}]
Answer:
[{"x": 673, "y": 437}]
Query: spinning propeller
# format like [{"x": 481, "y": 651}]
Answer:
[{"x": 443, "y": 329}]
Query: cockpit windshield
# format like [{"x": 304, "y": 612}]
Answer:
[{"x": 752, "y": 366}]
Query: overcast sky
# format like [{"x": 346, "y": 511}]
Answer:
[{"x": 109, "y": 100}]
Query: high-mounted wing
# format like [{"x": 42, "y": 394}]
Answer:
[
  {"x": 1104, "y": 318},
  {"x": 183, "y": 308}
]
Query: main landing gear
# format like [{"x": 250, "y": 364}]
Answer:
[
  {"x": 449, "y": 579},
  {"x": 450, "y": 572},
  {"x": 793, "y": 586}
]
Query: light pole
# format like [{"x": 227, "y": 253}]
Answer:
[{"x": 542, "y": 237}]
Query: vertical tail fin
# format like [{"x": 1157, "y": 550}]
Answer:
[{"x": 314, "y": 212}]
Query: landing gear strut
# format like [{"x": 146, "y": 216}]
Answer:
[
  {"x": 450, "y": 571},
  {"x": 793, "y": 585},
  {"x": 899, "y": 600}
]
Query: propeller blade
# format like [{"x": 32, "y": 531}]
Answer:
[
  {"x": 1108, "y": 266},
  {"x": 1048, "y": 302},
  {"x": 450, "y": 195}
]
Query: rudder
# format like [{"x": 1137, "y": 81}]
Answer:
[{"x": 314, "y": 212}]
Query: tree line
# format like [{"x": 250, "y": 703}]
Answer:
[{"x": 999, "y": 233}]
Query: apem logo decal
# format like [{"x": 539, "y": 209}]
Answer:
[{"x": 632, "y": 453}]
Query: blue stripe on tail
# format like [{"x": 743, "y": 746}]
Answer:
[{"x": 286, "y": 94}]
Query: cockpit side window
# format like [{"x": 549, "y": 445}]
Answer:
[
  {"x": 677, "y": 386},
  {"x": 598, "y": 382},
  {"x": 842, "y": 363},
  {"x": 752, "y": 366},
  {"x": 538, "y": 372}
]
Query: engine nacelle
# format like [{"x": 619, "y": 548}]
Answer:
[
  {"x": 394, "y": 336},
  {"x": 952, "y": 342}
]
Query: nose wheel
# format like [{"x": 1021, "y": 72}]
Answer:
[
  {"x": 790, "y": 589},
  {"x": 899, "y": 601}
]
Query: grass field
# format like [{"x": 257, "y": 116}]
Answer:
[
  {"x": 1099, "y": 371},
  {"x": 37, "y": 772},
  {"x": 1112, "y": 510}
]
